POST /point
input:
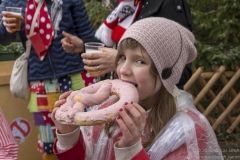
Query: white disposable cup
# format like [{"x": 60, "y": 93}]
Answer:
[
  {"x": 92, "y": 47},
  {"x": 16, "y": 12}
]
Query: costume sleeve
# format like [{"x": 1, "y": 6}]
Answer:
[
  {"x": 127, "y": 153},
  {"x": 77, "y": 151},
  {"x": 142, "y": 155},
  {"x": 84, "y": 29},
  {"x": 66, "y": 141},
  {"x": 5, "y": 37}
]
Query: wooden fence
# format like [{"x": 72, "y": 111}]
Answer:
[{"x": 222, "y": 90}]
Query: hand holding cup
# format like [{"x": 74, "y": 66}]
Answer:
[
  {"x": 93, "y": 47},
  {"x": 12, "y": 19}
]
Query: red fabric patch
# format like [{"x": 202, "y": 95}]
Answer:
[
  {"x": 47, "y": 117},
  {"x": 42, "y": 100},
  {"x": 37, "y": 87},
  {"x": 40, "y": 146},
  {"x": 88, "y": 80}
]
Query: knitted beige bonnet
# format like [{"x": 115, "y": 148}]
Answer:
[{"x": 167, "y": 43}]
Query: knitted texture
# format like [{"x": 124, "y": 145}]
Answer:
[{"x": 164, "y": 40}]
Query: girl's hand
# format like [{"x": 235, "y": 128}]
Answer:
[
  {"x": 131, "y": 121},
  {"x": 72, "y": 43},
  {"x": 105, "y": 61},
  {"x": 62, "y": 128},
  {"x": 8, "y": 23}
]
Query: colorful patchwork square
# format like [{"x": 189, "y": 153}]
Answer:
[
  {"x": 37, "y": 87},
  {"x": 51, "y": 85},
  {"x": 42, "y": 103},
  {"x": 46, "y": 133},
  {"x": 42, "y": 100},
  {"x": 38, "y": 119},
  {"x": 87, "y": 79},
  {"x": 65, "y": 84},
  {"x": 32, "y": 106},
  {"x": 47, "y": 117},
  {"x": 48, "y": 147},
  {"x": 51, "y": 98},
  {"x": 77, "y": 81},
  {"x": 40, "y": 146},
  {"x": 46, "y": 156}
]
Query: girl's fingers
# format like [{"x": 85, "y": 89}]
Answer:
[
  {"x": 59, "y": 103},
  {"x": 62, "y": 99},
  {"x": 136, "y": 111},
  {"x": 135, "y": 119},
  {"x": 64, "y": 95},
  {"x": 141, "y": 110},
  {"x": 53, "y": 113},
  {"x": 127, "y": 119},
  {"x": 123, "y": 127}
]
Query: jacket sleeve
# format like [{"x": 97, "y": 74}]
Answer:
[
  {"x": 77, "y": 152},
  {"x": 84, "y": 29},
  {"x": 5, "y": 37}
]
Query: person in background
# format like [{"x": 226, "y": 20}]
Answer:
[
  {"x": 126, "y": 13},
  {"x": 51, "y": 70},
  {"x": 164, "y": 124}
]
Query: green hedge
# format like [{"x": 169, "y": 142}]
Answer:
[
  {"x": 97, "y": 13},
  {"x": 217, "y": 32}
]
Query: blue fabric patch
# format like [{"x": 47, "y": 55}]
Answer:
[
  {"x": 65, "y": 84},
  {"x": 48, "y": 147}
]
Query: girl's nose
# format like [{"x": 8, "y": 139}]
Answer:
[{"x": 125, "y": 69}]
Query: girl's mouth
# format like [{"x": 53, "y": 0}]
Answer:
[{"x": 131, "y": 83}]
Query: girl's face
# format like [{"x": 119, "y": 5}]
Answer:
[{"x": 134, "y": 67}]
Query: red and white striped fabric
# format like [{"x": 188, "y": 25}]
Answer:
[{"x": 8, "y": 146}]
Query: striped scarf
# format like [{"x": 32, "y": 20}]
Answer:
[
  {"x": 118, "y": 21},
  {"x": 56, "y": 15}
]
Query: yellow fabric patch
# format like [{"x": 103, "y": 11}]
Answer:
[
  {"x": 49, "y": 156},
  {"x": 52, "y": 98}
]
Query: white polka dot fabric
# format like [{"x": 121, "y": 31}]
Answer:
[{"x": 43, "y": 25}]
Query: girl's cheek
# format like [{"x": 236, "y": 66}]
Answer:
[
  {"x": 119, "y": 66},
  {"x": 118, "y": 70}
]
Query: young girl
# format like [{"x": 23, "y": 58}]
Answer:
[{"x": 164, "y": 124}]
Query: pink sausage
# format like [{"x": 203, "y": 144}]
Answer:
[{"x": 72, "y": 112}]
